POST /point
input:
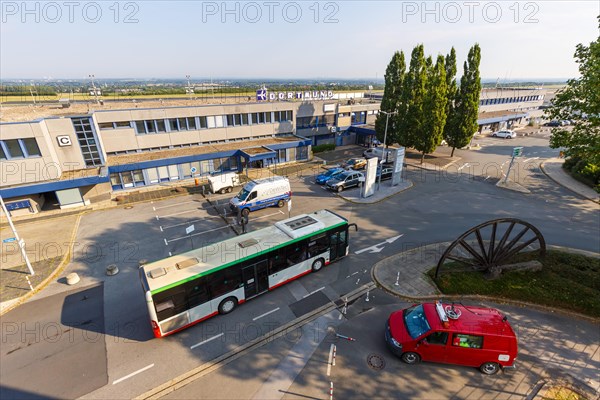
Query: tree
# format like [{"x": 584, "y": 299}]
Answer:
[
  {"x": 394, "y": 79},
  {"x": 452, "y": 90},
  {"x": 410, "y": 116},
  {"x": 579, "y": 101},
  {"x": 434, "y": 108},
  {"x": 463, "y": 124}
]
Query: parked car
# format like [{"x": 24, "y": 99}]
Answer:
[
  {"x": 505, "y": 134},
  {"x": 355, "y": 163},
  {"x": 385, "y": 173},
  {"x": 552, "y": 123},
  {"x": 345, "y": 180},
  {"x": 330, "y": 173},
  {"x": 454, "y": 334}
]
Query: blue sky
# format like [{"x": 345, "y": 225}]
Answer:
[{"x": 286, "y": 39}]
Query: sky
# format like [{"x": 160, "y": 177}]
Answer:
[{"x": 286, "y": 39}]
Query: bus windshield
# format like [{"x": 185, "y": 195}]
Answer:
[{"x": 415, "y": 321}]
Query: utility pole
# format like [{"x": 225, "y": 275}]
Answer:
[
  {"x": 94, "y": 88},
  {"x": 387, "y": 118},
  {"x": 20, "y": 242}
]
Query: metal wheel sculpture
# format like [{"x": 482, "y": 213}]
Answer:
[{"x": 491, "y": 244}]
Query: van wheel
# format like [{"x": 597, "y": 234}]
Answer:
[
  {"x": 245, "y": 212},
  {"x": 223, "y": 191},
  {"x": 318, "y": 264},
  {"x": 489, "y": 368},
  {"x": 280, "y": 203},
  {"x": 229, "y": 189},
  {"x": 411, "y": 358},
  {"x": 227, "y": 305}
]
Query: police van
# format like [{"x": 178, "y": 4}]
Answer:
[
  {"x": 453, "y": 334},
  {"x": 261, "y": 193}
]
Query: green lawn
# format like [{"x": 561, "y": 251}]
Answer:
[{"x": 568, "y": 281}]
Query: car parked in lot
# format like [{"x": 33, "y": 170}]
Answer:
[
  {"x": 355, "y": 163},
  {"x": 505, "y": 133},
  {"x": 385, "y": 173},
  {"x": 330, "y": 173},
  {"x": 553, "y": 123},
  {"x": 345, "y": 180}
]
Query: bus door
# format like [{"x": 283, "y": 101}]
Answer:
[
  {"x": 338, "y": 244},
  {"x": 256, "y": 279}
]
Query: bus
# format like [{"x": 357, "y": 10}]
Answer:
[{"x": 191, "y": 287}]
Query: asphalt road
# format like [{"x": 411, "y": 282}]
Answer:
[{"x": 440, "y": 206}]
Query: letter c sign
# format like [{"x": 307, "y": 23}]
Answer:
[{"x": 63, "y": 141}]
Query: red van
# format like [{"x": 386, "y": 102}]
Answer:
[{"x": 454, "y": 334}]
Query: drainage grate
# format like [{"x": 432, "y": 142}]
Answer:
[{"x": 376, "y": 361}]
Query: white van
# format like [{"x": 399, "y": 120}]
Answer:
[
  {"x": 223, "y": 183},
  {"x": 378, "y": 152},
  {"x": 262, "y": 193}
]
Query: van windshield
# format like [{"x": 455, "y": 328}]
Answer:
[
  {"x": 415, "y": 321},
  {"x": 243, "y": 194}
]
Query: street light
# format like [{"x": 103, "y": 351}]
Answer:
[{"x": 387, "y": 118}]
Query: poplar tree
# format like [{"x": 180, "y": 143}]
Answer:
[
  {"x": 434, "y": 108},
  {"x": 463, "y": 124},
  {"x": 450, "y": 65},
  {"x": 410, "y": 116},
  {"x": 394, "y": 79}
]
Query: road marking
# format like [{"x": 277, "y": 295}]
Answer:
[
  {"x": 375, "y": 248},
  {"x": 206, "y": 341},
  {"x": 132, "y": 374},
  {"x": 173, "y": 205},
  {"x": 190, "y": 222},
  {"x": 265, "y": 314},
  {"x": 352, "y": 275},
  {"x": 166, "y": 243},
  {"x": 531, "y": 159},
  {"x": 486, "y": 178},
  {"x": 313, "y": 292},
  {"x": 195, "y": 234},
  {"x": 463, "y": 166},
  {"x": 161, "y": 229},
  {"x": 179, "y": 213},
  {"x": 157, "y": 218}
]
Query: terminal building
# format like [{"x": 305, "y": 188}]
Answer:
[{"x": 76, "y": 160}]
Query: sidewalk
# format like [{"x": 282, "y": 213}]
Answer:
[{"x": 554, "y": 170}]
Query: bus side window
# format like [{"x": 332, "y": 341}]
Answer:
[
  {"x": 197, "y": 292},
  {"x": 277, "y": 261},
  {"x": 224, "y": 281},
  {"x": 170, "y": 302},
  {"x": 296, "y": 253},
  {"x": 317, "y": 245}
]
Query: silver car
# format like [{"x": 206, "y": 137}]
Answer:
[{"x": 505, "y": 134}]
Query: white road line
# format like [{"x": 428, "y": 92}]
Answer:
[
  {"x": 173, "y": 205},
  {"x": 486, "y": 178},
  {"x": 195, "y": 234},
  {"x": 157, "y": 218},
  {"x": 179, "y": 213},
  {"x": 133, "y": 374},
  {"x": 166, "y": 243},
  {"x": 206, "y": 341},
  {"x": 161, "y": 229},
  {"x": 170, "y": 254},
  {"x": 531, "y": 159},
  {"x": 463, "y": 166},
  {"x": 268, "y": 215},
  {"x": 352, "y": 274},
  {"x": 330, "y": 359},
  {"x": 189, "y": 222},
  {"x": 314, "y": 291},
  {"x": 265, "y": 314}
]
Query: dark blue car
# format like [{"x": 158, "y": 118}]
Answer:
[{"x": 324, "y": 177}]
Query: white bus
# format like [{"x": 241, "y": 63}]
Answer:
[{"x": 188, "y": 288}]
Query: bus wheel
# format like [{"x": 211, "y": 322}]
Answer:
[
  {"x": 411, "y": 358},
  {"x": 227, "y": 305},
  {"x": 318, "y": 264},
  {"x": 489, "y": 368},
  {"x": 280, "y": 203},
  {"x": 245, "y": 212}
]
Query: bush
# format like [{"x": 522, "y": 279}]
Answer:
[
  {"x": 323, "y": 147},
  {"x": 570, "y": 163}
]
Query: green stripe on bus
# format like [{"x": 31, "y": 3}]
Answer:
[{"x": 215, "y": 269}]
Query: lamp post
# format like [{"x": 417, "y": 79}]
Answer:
[{"x": 387, "y": 118}]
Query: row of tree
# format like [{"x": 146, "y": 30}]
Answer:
[{"x": 424, "y": 105}]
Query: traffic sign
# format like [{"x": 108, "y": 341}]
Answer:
[
  {"x": 193, "y": 170},
  {"x": 189, "y": 229},
  {"x": 517, "y": 151},
  {"x": 8, "y": 240}
]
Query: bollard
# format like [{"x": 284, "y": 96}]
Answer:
[
  {"x": 112, "y": 269},
  {"x": 72, "y": 278}
]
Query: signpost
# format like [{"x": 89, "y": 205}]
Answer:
[
  {"x": 188, "y": 231},
  {"x": 16, "y": 237},
  {"x": 517, "y": 152}
]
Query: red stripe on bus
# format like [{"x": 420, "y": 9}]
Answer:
[{"x": 291, "y": 279}]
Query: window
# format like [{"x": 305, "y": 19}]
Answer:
[
  {"x": 2, "y": 153},
  {"x": 202, "y": 121},
  {"x": 31, "y": 147},
  {"x": 173, "y": 124},
  {"x": 87, "y": 141},
  {"x": 440, "y": 338},
  {"x": 415, "y": 321},
  {"x": 122, "y": 124},
  {"x": 160, "y": 125},
  {"x": 150, "y": 128},
  {"x": 196, "y": 292},
  {"x": 14, "y": 148},
  {"x": 268, "y": 117},
  {"x": 106, "y": 125},
  {"x": 230, "y": 120},
  {"x": 140, "y": 127},
  {"x": 237, "y": 119},
  {"x": 244, "y": 119},
  {"x": 469, "y": 341},
  {"x": 191, "y": 121},
  {"x": 182, "y": 124},
  {"x": 277, "y": 261}
]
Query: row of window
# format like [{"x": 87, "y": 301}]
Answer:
[
  {"x": 504, "y": 100},
  {"x": 313, "y": 122},
  {"x": 151, "y": 126},
  {"x": 19, "y": 148}
]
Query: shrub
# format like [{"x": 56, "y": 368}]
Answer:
[
  {"x": 323, "y": 147},
  {"x": 570, "y": 163}
]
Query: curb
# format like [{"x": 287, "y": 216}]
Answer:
[
  {"x": 566, "y": 187},
  {"x": 499, "y": 300},
  {"x": 377, "y": 201},
  {"x": 61, "y": 266}
]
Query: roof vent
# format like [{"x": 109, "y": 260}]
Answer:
[
  {"x": 247, "y": 243},
  {"x": 186, "y": 263},
  {"x": 157, "y": 273}
]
